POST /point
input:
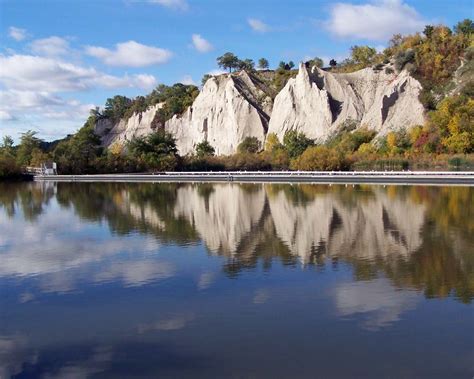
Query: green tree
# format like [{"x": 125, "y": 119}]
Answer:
[
  {"x": 249, "y": 145},
  {"x": 263, "y": 64},
  {"x": 332, "y": 63},
  {"x": 228, "y": 61},
  {"x": 204, "y": 149},
  {"x": 296, "y": 143},
  {"x": 465, "y": 26},
  {"x": 318, "y": 62},
  {"x": 428, "y": 31},
  {"x": 116, "y": 107},
  {"x": 28, "y": 143},
  {"x": 7, "y": 146},
  {"x": 157, "y": 151},
  {"x": 246, "y": 64},
  {"x": 205, "y": 78}
]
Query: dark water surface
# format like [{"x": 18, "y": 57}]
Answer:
[{"x": 229, "y": 280}]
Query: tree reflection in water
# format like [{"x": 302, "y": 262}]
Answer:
[{"x": 418, "y": 237}]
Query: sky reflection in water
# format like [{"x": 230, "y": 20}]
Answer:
[{"x": 228, "y": 279}]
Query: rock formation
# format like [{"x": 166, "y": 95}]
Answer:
[
  {"x": 318, "y": 103},
  {"x": 226, "y": 111}
]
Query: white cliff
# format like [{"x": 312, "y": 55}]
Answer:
[
  {"x": 317, "y": 103},
  {"x": 231, "y": 107},
  {"x": 138, "y": 125},
  {"x": 225, "y": 112}
]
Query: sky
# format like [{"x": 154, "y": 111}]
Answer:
[{"x": 60, "y": 58}]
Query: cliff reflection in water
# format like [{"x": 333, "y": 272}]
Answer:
[{"x": 417, "y": 237}]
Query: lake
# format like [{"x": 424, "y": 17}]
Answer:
[{"x": 236, "y": 280}]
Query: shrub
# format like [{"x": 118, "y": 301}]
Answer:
[
  {"x": 204, "y": 149},
  {"x": 320, "y": 158},
  {"x": 249, "y": 145},
  {"x": 296, "y": 143}
]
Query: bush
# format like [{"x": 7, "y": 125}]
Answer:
[
  {"x": 157, "y": 151},
  {"x": 296, "y": 143},
  {"x": 250, "y": 145},
  {"x": 404, "y": 57},
  {"x": 8, "y": 167},
  {"x": 204, "y": 149},
  {"x": 320, "y": 158}
]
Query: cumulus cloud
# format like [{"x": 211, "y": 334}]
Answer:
[
  {"x": 51, "y": 46},
  {"x": 17, "y": 34},
  {"x": 258, "y": 25},
  {"x": 201, "y": 44},
  {"x": 44, "y": 74},
  {"x": 131, "y": 54},
  {"x": 173, "y": 4},
  {"x": 34, "y": 86},
  {"x": 377, "y": 20}
]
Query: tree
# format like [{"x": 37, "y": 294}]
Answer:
[
  {"x": 249, "y": 145},
  {"x": 246, "y": 64},
  {"x": 291, "y": 65},
  {"x": 318, "y": 62},
  {"x": 228, "y": 61},
  {"x": 272, "y": 142},
  {"x": 157, "y": 151},
  {"x": 204, "y": 149},
  {"x": 116, "y": 107},
  {"x": 7, "y": 146},
  {"x": 363, "y": 54},
  {"x": 465, "y": 26},
  {"x": 263, "y": 64},
  {"x": 428, "y": 31},
  {"x": 296, "y": 143},
  {"x": 28, "y": 143},
  {"x": 205, "y": 78},
  {"x": 332, "y": 63}
]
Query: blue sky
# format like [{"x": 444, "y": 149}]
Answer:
[{"x": 59, "y": 58}]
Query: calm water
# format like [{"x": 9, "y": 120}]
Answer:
[{"x": 229, "y": 280}]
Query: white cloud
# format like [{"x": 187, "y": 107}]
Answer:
[
  {"x": 17, "y": 34},
  {"x": 377, "y": 20},
  {"x": 200, "y": 44},
  {"x": 173, "y": 4},
  {"x": 188, "y": 80},
  {"x": 51, "y": 46},
  {"x": 41, "y": 74},
  {"x": 258, "y": 25},
  {"x": 130, "y": 53},
  {"x": 378, "y": 303},
  {"x": 34, "y": 87}
]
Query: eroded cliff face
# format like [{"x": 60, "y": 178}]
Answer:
[
  {"x": 138, "y": 125},
  {"x": 228, "y": 109},
  {"x": 318, "y": 103}
]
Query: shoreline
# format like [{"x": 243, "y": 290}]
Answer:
[{"x": 325, "y": 177}]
